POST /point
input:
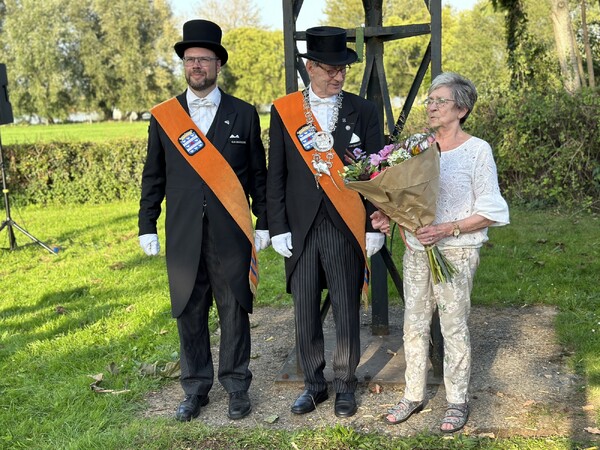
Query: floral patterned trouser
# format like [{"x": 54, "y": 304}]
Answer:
[{"x": 453, "y": 301}]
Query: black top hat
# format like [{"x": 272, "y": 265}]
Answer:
[
  {"x": 205, "y": 34},
  {"x": 328, "y": 46}
]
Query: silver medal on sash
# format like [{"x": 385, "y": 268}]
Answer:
[{"x": 323, "y": 141}]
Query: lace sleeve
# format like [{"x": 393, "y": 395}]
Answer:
[{"x": 489, "y": 202}]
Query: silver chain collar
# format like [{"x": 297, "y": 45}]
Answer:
[
  {"x": 309, "y": 115},
  {"x": 322, "y": 164}
]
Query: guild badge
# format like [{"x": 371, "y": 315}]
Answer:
[
  {"x": 306, "y": 135},
  {"x": 191, "y": 142}
]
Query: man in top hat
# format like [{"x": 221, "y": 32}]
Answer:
[
  {"x": 321, "y": 228},
  {"x": 205, "y": 156}
]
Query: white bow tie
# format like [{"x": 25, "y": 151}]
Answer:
[
  {"x": 200, "y": 102},
  {"x": 322, "y": 101}
]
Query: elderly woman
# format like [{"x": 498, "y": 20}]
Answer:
[{"x": 469, "y": 202}]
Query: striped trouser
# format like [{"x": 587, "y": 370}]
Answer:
[
  {"x": 453, "y": 301},
  {"x": 326, "y": 250}
]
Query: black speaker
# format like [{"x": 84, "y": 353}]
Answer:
[{"x": 6, "y": 115}]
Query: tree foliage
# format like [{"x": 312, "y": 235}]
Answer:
[
  {"x": 255, "y": 69},
  {"x": 88, "y": 55},
  {"x": 473, "y": 45},
  {"x": 231, "y": 14}
]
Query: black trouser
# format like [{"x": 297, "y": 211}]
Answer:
[
  {"x": 327, "y": 250},
  {"x": 197, "y": 371}
]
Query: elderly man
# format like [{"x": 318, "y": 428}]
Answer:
[
  {"x": 317, "y": 225},
  {"x": 206, "y": 157}
]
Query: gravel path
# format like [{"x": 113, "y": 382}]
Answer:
[{"x": 520, "y": 384}]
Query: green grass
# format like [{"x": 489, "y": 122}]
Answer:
[
  {"x": 101, "y": 306},
  {"x": 81, "y": 132}
]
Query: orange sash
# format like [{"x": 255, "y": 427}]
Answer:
[
  {"x": 347, "y": 203},
  {"x": 208, "y": 162}
]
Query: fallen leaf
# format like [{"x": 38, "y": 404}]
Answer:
[
  {"x": 529, "y": 403},
  {"x": 272, "y": 418},
  {"x": 171, "y": 370},
  {"x": 487, "y": 435},
  {"x": 112, "y": 369},
  {"x": 592, "y": 430},
  {"x": 270, "y": 338},
  {"x": 161, "y": 332},
  {"x": 130, "y": 308},
  {"x": 61, "y": 310},
  {"x": 376, "y": 388},
  {"x": 98, "y": 377},
  {"x": 148, "y": 369},
  {"x": 390, "y": 352},
  {"x": 588, "y": 408},
  {"x": 499, "y": 394},
  {"x": 100, "y": 390}
]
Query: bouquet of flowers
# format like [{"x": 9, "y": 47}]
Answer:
[{"x": 402, "y": 180}]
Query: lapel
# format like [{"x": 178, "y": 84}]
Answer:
[
  {"x": 345, "y": 127},
  {"x": 220, "y": 130}
]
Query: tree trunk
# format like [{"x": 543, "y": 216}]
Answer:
[
  {"x": 586, "y": 46},
  {"x": 565, "y": 45}
]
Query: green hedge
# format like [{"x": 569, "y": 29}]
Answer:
[
  {"x": 66, "y": 173},
  {"x": 547, "y": 146}
]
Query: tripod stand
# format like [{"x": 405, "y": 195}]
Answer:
[{"x": 9, "y": 223}]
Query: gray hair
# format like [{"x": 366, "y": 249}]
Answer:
[{"x": 463, "y": 90}]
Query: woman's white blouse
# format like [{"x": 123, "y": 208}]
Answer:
[{"x": 468, "y": 186}]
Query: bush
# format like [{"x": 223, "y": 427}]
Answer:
[
  {"x": 75, "y": 172},
  {"x": 547, "y": 146}
]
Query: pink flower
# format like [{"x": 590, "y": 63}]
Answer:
[
  {"x": 385, "y": 151},
  {"x": 374, "y": 159}
]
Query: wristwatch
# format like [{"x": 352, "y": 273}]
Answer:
[{"x": 455, "y": 230}]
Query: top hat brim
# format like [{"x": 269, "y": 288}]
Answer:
[
  {"x": 332, "y": 58},
  {"x": 219, "y": 50}
]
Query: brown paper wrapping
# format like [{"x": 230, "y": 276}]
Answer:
[{"x": 407, "y": 193}]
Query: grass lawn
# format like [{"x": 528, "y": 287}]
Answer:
[
  {"x": 101, "y": 306},
  {"x": 81, "y": 132}
]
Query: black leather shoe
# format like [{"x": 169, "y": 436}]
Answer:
[
  {"x": 239, "y": 405},
  {"x": 308, "y": 401},
  {"x": 190, "y": 407},
  {"x": 345, "y": 404}
]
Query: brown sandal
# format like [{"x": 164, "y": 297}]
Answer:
[{"x": 456, "y": 415}]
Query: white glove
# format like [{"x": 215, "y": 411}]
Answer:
[
  {"x": 282, "y": 244},
  {"x": 374, "y": 243},
  {"x": 149, "y": 243},
  {"x": 261, "y": 239}
]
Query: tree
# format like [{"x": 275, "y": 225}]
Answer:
[
  {"x": 88, "y": 55},
  {"x": 255, "y": 69},
  {"x": 126, "y": 48},
  {"x": 231, "y": 14},
  {"x": 473, "y": 45},
  {"x": 586, "y": 45},
  {"x": 565, "y": 45}
]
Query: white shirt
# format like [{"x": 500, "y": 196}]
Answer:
[
  {"x": 322, "y": 111},
  {"x": 203, "y": 116},
  {"x": 468, "y": 186}
]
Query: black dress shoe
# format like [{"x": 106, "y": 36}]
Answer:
[
  {"x": 239, "y": 405},
  {"x": 190, "y": 407},
  {"x": 308, "y": 401},
  {"x": 345, "y": 404}
]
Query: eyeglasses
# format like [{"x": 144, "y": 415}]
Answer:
[
  {"x": 202, "y": 60},
  {"x": 439, "y": 102},
  {"x": 333, "y": 72}
]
